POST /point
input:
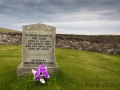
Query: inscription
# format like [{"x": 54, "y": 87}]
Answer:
[
  {"x": 38, "y": 42},
  {"x": 38, "y": 62}
]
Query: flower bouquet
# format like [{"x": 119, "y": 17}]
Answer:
[{"x": 40, "y": 74}]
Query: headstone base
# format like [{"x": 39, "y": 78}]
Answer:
[{"x": 25, "y": 70}]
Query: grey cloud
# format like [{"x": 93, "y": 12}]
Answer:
[
  {"x": 50, "y": 7},
  {"x": 28, "y": 11}
]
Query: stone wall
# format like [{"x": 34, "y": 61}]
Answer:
[
  {"x": 109, "y": 44},
  {"x": 10, "y": 38}
]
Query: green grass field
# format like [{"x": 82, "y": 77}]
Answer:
[
  {"x": 8, "y": 30},
  {"x": 78, "y": 70}
]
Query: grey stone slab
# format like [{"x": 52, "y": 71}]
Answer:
[{"x": 38, "y": 42}]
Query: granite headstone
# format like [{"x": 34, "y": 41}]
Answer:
[{"x": 38, "y": 47}]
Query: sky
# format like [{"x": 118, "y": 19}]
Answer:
[{"x": 83, "y": 17}]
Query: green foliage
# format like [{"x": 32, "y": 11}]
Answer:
[{"x": 78, "y": 70}]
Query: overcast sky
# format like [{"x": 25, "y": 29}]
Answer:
[{"x": 68, "y": 16}]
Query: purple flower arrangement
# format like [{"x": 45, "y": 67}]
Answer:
[{"x": 41, "y": 73}]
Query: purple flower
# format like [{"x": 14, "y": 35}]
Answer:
[
  {"x": 40, "y": 72},
  {"x": 38, "y": 78},
  {"x": 36, "y": 72},
  {"x": 44, "y": 71},
  {"x": 46, "y": 75}
]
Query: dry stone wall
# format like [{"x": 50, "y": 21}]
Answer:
[
  {"x": 109, "y": 44},
  {"x": 102, "y": 43},
  {"x": 10, "y": 38}
]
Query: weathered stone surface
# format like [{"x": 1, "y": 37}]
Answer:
[
  {"x": 97, "y": 43},
  {"x": 38, "y": 41},
  {"x": 10, "y": 38},
  {"x": 109, "y": 44}
]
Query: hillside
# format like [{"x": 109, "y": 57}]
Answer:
[{"x": 8, "y": 30}]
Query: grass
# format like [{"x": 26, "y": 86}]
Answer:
[
  {"x": 8, "y": 30},
  {"x": 78, "y": 70}
]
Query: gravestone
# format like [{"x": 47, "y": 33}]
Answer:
[{"x": 38, "y": 47}]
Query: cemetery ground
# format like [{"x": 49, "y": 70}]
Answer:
[{"x": 78, "y": 70}]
